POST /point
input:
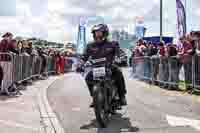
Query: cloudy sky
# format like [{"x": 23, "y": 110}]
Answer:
[{"x": 57, "y": 20}]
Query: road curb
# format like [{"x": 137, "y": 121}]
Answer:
[{"x": 48, "y": 118}]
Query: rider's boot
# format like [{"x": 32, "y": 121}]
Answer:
[
  {"x": 123, "y": 101},
  {"x": 90, "y": 86},
  {"x": 92, "y": 104}
]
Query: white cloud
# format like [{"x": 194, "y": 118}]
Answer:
[
  {"x": 58, "y": 19},
  {"x": 23, "y": 10},
  {"x": 8, "y": 23},
  {"x": 197, "y": 12},
  {"x": 156, "y": 1},
  {"x": 56, "y": 5},
  {"x": 8, "y": 8}
]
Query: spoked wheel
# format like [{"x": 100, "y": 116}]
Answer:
[{"x": 102, "y": 115}]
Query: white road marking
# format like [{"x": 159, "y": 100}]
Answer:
[
  {"x": 14, "y": 124},
  {"x": 181, "y": 121},
  {"x": 76, "y": 109}
]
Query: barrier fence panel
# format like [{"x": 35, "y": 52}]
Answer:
[
  {"x": 163, "y": 71},
  {"x": 133, "y": 66},
  {"x": 138, "y": 70},
  {"x": 168, "y": 72},
  {"x": 51, "y": 64},
  {"x": 174, "y": 71},
  {"x": 137, "y": 66},
  {"x": 68, "y": 65},
  {"x": 31, "y": 64},
  {"x": 6, "y": 64},
  {"x": 186, "y": 62},
  {"x": 33, "y": 67},
  {"x": 74, "y": 63},
  {"x": 155, "y": 61},
  {"x": 147, "y": 68},
  {"x": 196, "y": 71},
  {"x": 18, "y": 68},
  {"x": 21, "y": 68},
  {"x": 43, "y": 64},
  {"x": 27, "y": 67},
  {"x": 48, "y": 66},
  {"x": 38, "y": 65}
]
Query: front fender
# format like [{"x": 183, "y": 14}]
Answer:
[
  {"x": 97, "y": 88},
  {"x": 101, "y": 94}
]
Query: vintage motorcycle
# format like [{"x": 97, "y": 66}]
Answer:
[{"x": 105, "y": 96}]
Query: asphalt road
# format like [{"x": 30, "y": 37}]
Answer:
[{"x": 150, "y": 109}]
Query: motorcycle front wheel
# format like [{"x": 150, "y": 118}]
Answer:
[{"x": 99, "y": 107}]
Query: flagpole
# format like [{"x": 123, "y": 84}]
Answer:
[
  {"x": 161, "y": 20},
  {"x": 186, "y": 14}
]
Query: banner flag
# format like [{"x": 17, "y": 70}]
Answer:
[{"x": 181, "y": 18}]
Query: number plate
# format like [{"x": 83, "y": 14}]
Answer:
[{"x": 99, "y": 72}]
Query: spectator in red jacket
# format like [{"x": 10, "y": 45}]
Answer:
[
  {"x": 161, "y": 48},
  {"x": 62, "y": 64},
  {"x": 4, "y": 46},
  {"x": 186, "y": 50},
  {"x": 186, "y": 61},
  {"x": 13, "y": 47},
  {"x": 58, "y": 62}
]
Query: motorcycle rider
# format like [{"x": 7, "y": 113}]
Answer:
[{"x": 100, "y": 48}]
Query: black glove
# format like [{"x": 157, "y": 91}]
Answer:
[{"x": 79, "y": 69}]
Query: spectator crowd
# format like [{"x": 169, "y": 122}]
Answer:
[
  {"x": 163, "y": 62},
  {"x": 14, "y": 50}
]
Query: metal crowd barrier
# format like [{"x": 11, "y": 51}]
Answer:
[
  {"x": 51, "y": 65},
  {"x": 19, "y": 68},
  {"x": 73, "y": 62},
  {"x": 6, "y": 67},
  {"x": 174, "y": 70},
  {"x": 168, "y": 71},
  {"x": 68, "y": 64},
  {"x": 142, "y": 67},
  {"x": 196, "y": 71}
]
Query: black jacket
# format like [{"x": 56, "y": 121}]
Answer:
[
  {"x": 152, "y": 51},
  {"x": 172, "y": 51},
  {"x": 105, "y": 49}
]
